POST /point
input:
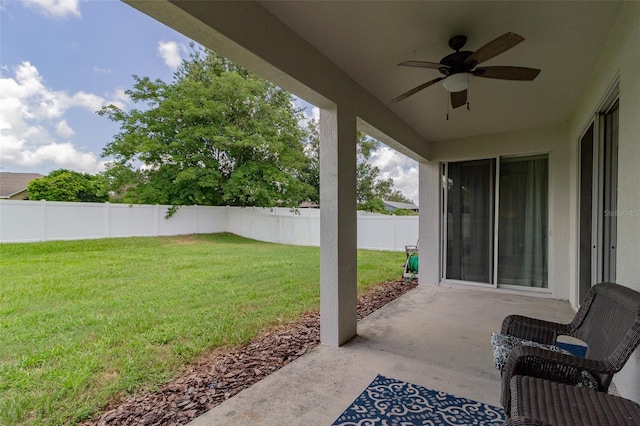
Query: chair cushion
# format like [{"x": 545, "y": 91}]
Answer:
[
  {"x": 577, "y": 350},
  {"x": 503, "y": 344}
]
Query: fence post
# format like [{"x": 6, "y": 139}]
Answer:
[
  {"x": 157, "y": 230},
  {"x": 253, "y": 221},
  {"x": 195, "y": 220},
  {"x": 107, "y": 219},
  {"x": 395, "y": 233},
  {"x": 43, "y": 212}
]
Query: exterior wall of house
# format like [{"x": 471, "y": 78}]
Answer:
[
  {"x": 429, "y": 223},
  {"x": 549, "y": 140},
  {"x": 22, "y": 195},
  {"x": 620, "y": 60},
  {"x": 619, "y": 63}
]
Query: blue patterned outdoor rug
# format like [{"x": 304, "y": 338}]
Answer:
[{"x": 392, "y": 402}]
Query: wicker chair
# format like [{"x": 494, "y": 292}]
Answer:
[
  {"x": 608, "y": 321},
  {"x": 538, "y": 402}
]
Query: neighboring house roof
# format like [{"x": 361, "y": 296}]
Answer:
[
  {"x": 394, "y": 205},
  {"x": 309, "y": 205},
  {"x": 15, "y": 183}
]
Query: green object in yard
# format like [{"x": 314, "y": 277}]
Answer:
[{"x": 412, "y": 264}]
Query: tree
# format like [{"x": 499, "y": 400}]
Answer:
[
  {"x": 397, "y": 196},
  {"x": 311, "y": 172},
  {"x": 215, "y": 135},
  {"x": 370, "y": 188},
  {"x": 67, "y": 185}
]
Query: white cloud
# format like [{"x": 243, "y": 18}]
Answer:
[
  {"x": 314, "y": 114},
  {"x": 101, "y": 71},
  {"x": 33, "y": 115},
  {"x": 169, "y": 51},
  {"x": 63, "y": 129},
  {"x": 309, "y": 112},
  {"x": 55, "y": 8},
  {"x": 53, "y": 155},
  {"x": 119, "y": 98},
  {"x": 402, "y": 169},
  {"x": 86, "y": 100}
]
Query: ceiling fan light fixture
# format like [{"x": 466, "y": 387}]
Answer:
[{"x": 457, "y": 82}]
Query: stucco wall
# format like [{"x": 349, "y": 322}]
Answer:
[
  {"x": 620, "y": 62},
  {"x": 621, "y": 59}
]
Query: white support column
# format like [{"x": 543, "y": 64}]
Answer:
[
  {"x": 338, "y": 226},
  {"x": 429, "y": 223}
]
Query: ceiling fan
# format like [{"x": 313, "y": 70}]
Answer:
[{"x": 459, "y": 67}]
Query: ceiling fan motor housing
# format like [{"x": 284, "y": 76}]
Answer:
[{"x": 455, "y": 63}]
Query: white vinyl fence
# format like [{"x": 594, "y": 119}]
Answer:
[{"x": 28, "y": 221}]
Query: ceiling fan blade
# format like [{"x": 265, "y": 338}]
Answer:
[
  {"x": 423, "y": 64},
  {"x": 416, "y": 90},
  {"x": 507, "y": 73},
  {"x": 494, "y": 48},
  {"x": 458, "y": 98}
]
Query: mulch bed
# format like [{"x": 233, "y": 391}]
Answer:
[{"x": 223, "y": 373}]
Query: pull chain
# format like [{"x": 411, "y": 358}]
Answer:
[{"x": 448, "y": 95}]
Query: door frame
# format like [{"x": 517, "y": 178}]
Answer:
[
  {"x": 597, "y": 120},
  {"x": 495, "y": 223}
]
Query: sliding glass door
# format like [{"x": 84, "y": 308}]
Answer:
[
  {"x": 515, "y": 255},
  {"x": 469, "y": 220}
]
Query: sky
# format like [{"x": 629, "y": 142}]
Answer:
[{"x": 62, "y": 60}]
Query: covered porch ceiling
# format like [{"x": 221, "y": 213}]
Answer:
[{"x": 367, "y": 39}]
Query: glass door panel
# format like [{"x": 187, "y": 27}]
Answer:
[
  {"x": 470, "y": 221},
  {"x": 523, "y": 222},
  {"x": 586, "y": 245},
  {"x": 610, "y": 194}
]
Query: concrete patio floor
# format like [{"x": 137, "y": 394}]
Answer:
[{"x": 435, "y": 337}]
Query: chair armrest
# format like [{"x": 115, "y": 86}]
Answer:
[
  {"x": 555, "y": 366},
  {"x": 534, "y": 329}
]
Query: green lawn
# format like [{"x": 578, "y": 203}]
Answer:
[{"x": 82, "y": 322}]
